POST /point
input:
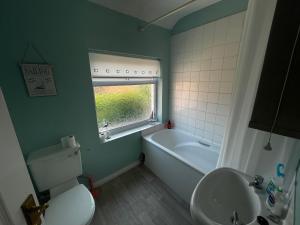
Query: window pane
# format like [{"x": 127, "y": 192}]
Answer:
[{"x": 124, "y": 105}]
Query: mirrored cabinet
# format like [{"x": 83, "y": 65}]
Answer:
[{"x": 277, "y": 106}]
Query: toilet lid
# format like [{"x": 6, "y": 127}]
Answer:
[{"x": 73, "y": 207}]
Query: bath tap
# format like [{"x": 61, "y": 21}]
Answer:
[{"x": 257, "y": 182}]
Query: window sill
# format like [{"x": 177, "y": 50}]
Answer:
[{"x": 146, "y": 129}]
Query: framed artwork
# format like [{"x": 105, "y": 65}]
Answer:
[{"x": 39, "y": 79}]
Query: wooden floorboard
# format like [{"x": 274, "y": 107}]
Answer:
[{"x": 138, "y": 197}]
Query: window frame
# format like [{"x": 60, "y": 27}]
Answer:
[
  {"x": 132, "y": 80},
  {"x": 129, "y": 81}
]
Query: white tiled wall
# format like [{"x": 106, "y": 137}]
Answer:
[{"x": 203, "y": 70}]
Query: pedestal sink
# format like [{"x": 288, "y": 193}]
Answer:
[{"x": 221, "y": 194}]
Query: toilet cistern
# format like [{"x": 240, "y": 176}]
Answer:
[{"x": 56, "y": 169}]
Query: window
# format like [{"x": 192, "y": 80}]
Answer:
[{"x": 125, "y": 90}]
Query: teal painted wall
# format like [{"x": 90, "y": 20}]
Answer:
[
  {"x": 111, "y": 31},
  {"x": 64, "y": 30},
  {"x": 211, "y": 13},
  {"x": 108, "y": 30}
]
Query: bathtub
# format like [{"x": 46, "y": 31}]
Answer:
[{"x": 179, "y": 159}]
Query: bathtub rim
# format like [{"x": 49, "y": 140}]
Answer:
[
  {"x": 204, "y": 140},
  {"x": 199, "y": 169}
]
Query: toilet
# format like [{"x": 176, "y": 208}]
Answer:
[{"x": 56, "y": 169}]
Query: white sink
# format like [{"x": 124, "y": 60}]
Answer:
[{"x": 219, "y": 194}]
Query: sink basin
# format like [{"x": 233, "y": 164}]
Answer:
[{"x": 219, "y": 194}]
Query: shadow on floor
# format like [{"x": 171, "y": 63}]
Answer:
[{"x": 138, "y": 197}]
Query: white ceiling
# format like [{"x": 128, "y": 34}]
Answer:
[{"x": 148, "y": 10}]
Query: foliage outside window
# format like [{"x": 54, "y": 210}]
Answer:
[{"x": 124, "y": 105}]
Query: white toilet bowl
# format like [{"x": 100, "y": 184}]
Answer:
[{"x": 73, "y": 207}]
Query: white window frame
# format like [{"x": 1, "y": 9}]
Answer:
[
  {"x": 121, "y": 81},
  {"x": 134, "y": 124}
]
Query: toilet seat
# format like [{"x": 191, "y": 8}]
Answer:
[{"x": 73, "y": 207}]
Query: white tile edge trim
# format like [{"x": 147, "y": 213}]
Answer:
[{"x": 116, "y": 174}]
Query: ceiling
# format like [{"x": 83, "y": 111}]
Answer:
[{"x": 148, "y": 10}]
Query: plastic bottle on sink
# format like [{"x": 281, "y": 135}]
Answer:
[
  {"x": 277, "y": 180},
  {"x": 276, "y": 197}
]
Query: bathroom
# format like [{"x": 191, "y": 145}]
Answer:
[{"x": 206, "y": 59}]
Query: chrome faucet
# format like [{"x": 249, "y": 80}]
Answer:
[
  {"x": 235, "y": 218},
  {"x": 257, "y": 182}
]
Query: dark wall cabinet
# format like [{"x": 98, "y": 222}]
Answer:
[{"x": 282, "y": 57}]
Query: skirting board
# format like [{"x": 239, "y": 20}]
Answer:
[{"x": 116, "y": 174}]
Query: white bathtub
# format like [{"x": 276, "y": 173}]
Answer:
[{"x": 179, "y": 159}]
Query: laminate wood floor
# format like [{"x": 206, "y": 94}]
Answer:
[{"x": 138, "y": 197}]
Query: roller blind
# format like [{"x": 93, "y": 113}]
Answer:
[{"x": 122, "y": 68}]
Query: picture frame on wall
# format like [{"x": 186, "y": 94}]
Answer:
[{"x": 39, "y": 79}]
